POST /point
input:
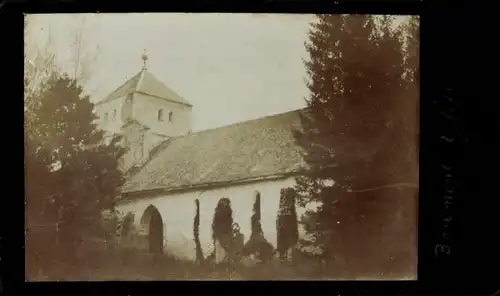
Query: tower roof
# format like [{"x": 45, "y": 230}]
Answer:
[{"x": 146, "y": 83}]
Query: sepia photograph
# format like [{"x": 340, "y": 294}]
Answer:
[{"x": 219, "y": 146}]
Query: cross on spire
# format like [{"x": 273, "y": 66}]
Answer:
[{"x": 144, "y": 59}]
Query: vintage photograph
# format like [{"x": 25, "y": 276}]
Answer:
[{"x": 218, "y": 146}]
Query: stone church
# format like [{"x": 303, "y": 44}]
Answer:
[{"x": 169, "y": 166}]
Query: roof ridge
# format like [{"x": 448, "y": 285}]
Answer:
[
  {"x": 115, "y": 90},
  {"x": 170, "y": 94},
  {"x": 139, "y": 81},
  {"x": 142, "y": 82},
  {"x": 240, "y": 122}
]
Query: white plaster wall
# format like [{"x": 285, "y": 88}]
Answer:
[
  {"x": 137, "y": 153},
  {"x": 110, "y": 125},
  {"x": 178, "y": 211},
  {"x": 145, "y": 110},
  {"x": 135, "y": 144}
]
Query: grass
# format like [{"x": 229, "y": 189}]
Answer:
[{"x": 98, "y": 264}]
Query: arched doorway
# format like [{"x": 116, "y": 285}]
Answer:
[{"x": 152, "y": 223}]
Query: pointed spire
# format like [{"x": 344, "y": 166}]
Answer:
[{"x": 144, "y": 59}]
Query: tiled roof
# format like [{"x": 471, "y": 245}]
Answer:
[
  {"x": 146, "y": 83},
  {"x": 247, "y": 150}
]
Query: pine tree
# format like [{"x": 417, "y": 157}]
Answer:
[
  {"x": 286, "y": 222},
  {"x": 352, "y": 131},
  {"x": 255, "y": 219},
  {"x": 71, "y": 174},
  {"x": 257, "y": 244}
]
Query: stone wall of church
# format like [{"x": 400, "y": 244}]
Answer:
[
  {"x": 145, "y": 110},
  {"x": 110, "y": 115},
  {"x": 134, "y": 140},
  {"x": 176, "y": 120},
  {"x": 178, "y": 211}
]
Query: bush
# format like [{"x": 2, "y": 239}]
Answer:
[{"x": 222, "y": 224}]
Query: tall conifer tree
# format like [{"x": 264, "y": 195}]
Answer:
[
  {"x": 352, "y": 130},
  {"x": 71, "y": 174}
]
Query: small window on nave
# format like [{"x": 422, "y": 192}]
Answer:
[
  {"x": 114, "y": 115},
  {"x": 160, "y": 115},
  {"x": 170, "y": 116}
]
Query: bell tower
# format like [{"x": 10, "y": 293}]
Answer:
[{"x": 146, "y": 112}]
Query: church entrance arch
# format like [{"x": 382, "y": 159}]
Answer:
[{"x": 152, "y": 223}]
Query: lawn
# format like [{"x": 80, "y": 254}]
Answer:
[{"x": 97, "y": 264}]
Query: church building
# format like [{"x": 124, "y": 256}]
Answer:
[{"x": 168, "y": 166}]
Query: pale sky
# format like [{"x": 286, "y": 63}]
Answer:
[{"x": 230, "y": 67}]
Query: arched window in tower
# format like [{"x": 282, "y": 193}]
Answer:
[
  {"x": 170, "y": 116},
  {"x": 106, "y": 117},
  {"x": 114, "y": 115},
  {"x": 160, "y": 115}
]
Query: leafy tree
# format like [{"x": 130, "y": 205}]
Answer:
[
  {"x": 353, "y": 133},
  {"x": 40, "y": 58},
  {"x": 71, "y": 174},
  {"x": 39, "y": 65}
]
